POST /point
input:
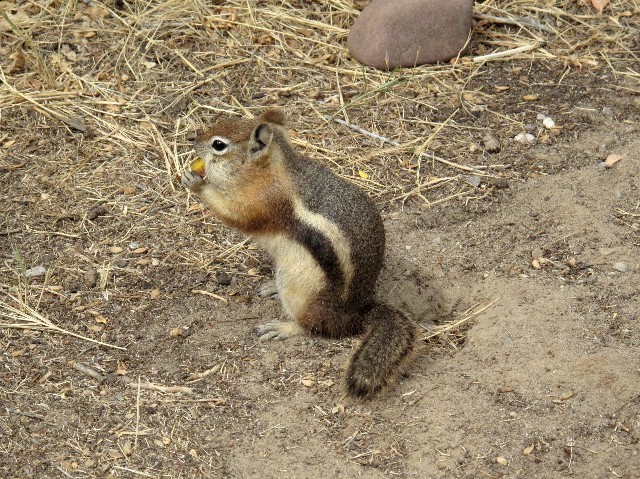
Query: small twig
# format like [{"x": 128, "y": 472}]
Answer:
[
  {"x": 194, "y": 377},
  {"x": 359, "y": 129},
  {"x": 10, "y": 410},
  {"x": 428, "y": 155},
  {"x": 31, "y": 319},
  {"x": 158, "y": 387},
  {"x": 456, "y": 324},
  {"x": 88, "y": 371},
  {"x": 508, "y": 53},
  {"x": 133, "y": 471},
  {"x": 135, "y": 440},
  {"x": 517, "y": 21},
  {"x": 132, "y": 383},
  {"x": 207, "y": 293}
]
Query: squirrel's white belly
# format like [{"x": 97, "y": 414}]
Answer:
[{"x": 299, "y": 277}]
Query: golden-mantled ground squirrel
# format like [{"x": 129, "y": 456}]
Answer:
[{"x": 324, "y": 234}]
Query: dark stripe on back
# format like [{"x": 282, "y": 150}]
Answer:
[{"x": 321, "y": 249}]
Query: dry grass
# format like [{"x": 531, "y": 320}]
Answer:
[
  {"x": 27, "y": 318},
  {"x": 98, "y": 105},
  {"x": 137, "y": 80},
  {"x": 101, "y": 100}
]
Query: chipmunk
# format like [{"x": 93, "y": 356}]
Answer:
[{"x": 324, "y": 234}]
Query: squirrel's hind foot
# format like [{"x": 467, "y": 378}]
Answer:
[{"x": 279, "y": 331}]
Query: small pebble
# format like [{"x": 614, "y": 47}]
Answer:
[
  {"x": 90, "y": 277},
  {"x": 93, "y": 213},
  {"x": 35, "y": 271},
  {"x": 473, "y": 180},
  {"x": 223, "y": 279},
  {"x": 499, "y": 183},
  {"x": 525, "y": 138},
  {"x": 548, "y": 123},
  {"x": 491, "y": 143},
  {"x": 620, "y": 266}
]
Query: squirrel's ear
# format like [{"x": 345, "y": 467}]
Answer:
[
  {"x": 259, "y": 141},
  {"x": 274, "y": 115}
]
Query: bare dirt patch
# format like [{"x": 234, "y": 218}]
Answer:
[{"x": 98, "y": 121}]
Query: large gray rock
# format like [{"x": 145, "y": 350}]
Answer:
[{"x": 405, "y": 33}]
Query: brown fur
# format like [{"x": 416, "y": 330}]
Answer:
[{"x": 325, "y": 235}]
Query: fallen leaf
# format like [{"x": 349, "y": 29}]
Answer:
[
  {"x": 19, "y": 62},
  {"x": 127, "y": 449},
  {"x": 599, "y": 4},
  {"x": 612, "y": 160}
]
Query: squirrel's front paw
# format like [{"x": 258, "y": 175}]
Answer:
[
  {"x": 268, "y": 290},
  {"x": 191, "y": 180}
]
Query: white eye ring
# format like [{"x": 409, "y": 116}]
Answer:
[{"x": 219, "y": 145}]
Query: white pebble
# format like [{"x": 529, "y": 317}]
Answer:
[
  {"x": 548, "y": 123},
  {"x": 620, "y": 266},
  {"x": 35, "y": 271},
  {"x": 525, "y": 138}
]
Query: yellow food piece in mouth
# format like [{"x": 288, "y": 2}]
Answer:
[{"x": 197, "y": 165}]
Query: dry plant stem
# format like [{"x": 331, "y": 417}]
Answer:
[
  {"x": 44, "y": 71},
  {"x": 508, "y": 53},
  {"x": 429, "y": 156},
  {"x": 130, "y": 382},
  {"x": 207, "y": 293},
  {"x": 137, "y": 431},
  {"x": 439, "y": 331},
  {"x": 31, "y": 319},
  {"x": 517, "y": 21},
  {"x": 194, "y": 377}
]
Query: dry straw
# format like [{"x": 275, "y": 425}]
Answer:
[
  {"x": 28, "y": 318},
  {"x": 111, "y": 93}
]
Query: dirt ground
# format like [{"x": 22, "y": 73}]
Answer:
[{"x": 530, "y": 252}]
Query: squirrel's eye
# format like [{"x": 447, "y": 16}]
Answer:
[{"x": 219, "y": 145}]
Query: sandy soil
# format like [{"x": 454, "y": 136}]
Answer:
[{"x": 543, "y": 383}]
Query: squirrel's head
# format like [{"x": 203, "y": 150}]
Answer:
[{"x": 231, "y": 147}]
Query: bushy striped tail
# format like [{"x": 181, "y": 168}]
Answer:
[{"x": 387, "y": 346}]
